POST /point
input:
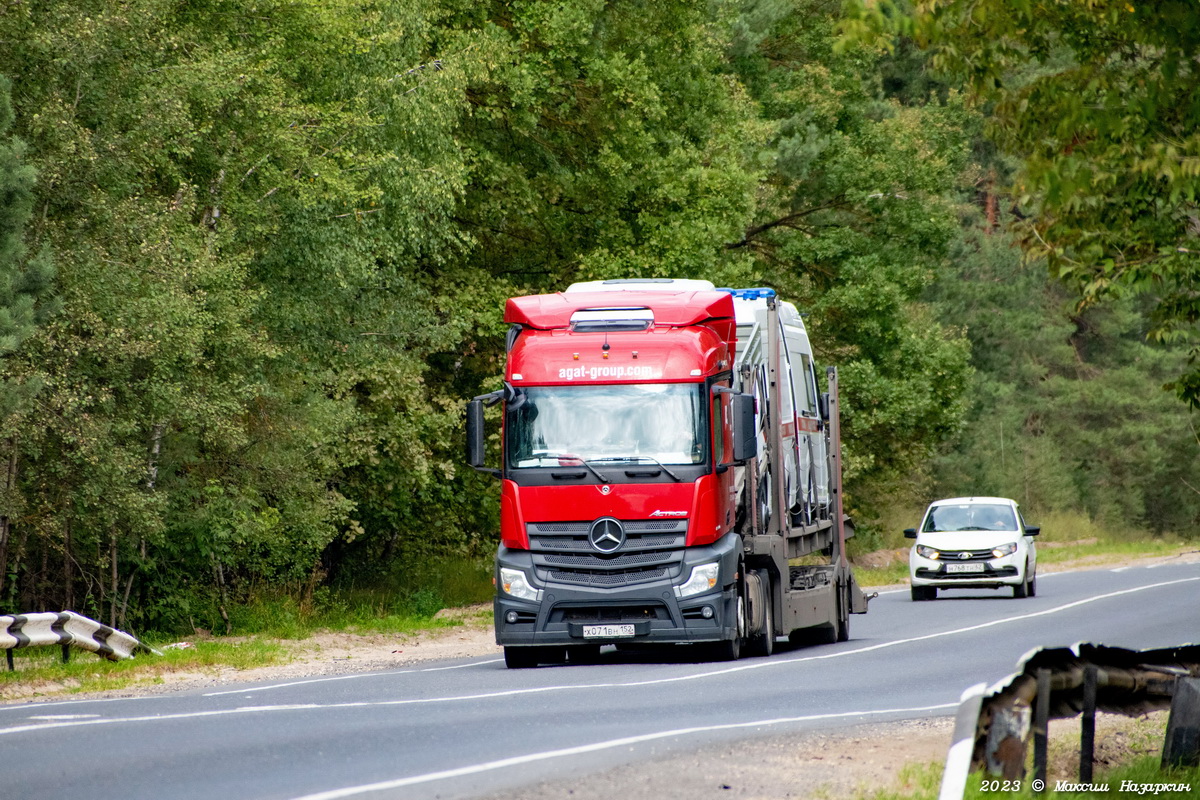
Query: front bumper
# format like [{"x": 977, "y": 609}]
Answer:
[
  {"x": 650, "y": 607},
  {"x": 997, "y": 572}
]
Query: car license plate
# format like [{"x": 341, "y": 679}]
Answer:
[
  {"x": 607, "y": 631},
  {"x": 972, "y": 567}
]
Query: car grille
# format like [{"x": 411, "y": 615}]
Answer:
[
  {"x": 975, "y": 555},
  {"x": 653, "y": 550}
]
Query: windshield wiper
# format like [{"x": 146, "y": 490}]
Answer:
[
  {"x": 638, "y": 460},
  {"x": 574, "y": 458}
]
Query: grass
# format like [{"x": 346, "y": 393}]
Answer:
[
  {"x": 262, "y": 628},
  {"x": 40, "y": 671}
]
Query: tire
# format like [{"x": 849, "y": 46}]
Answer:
[
  {"x": 843, "y": 631},
  {"x": 1033, "y": 584},
  {"x": 526, "y": 657},
  {"x": 731, "y": 649},
  {"x": 763, "y": 642},
  {"x": 1021, "y": 590},
  {"x": 921, "y": 593}
]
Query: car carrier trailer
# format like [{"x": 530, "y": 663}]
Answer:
[{"x": 669, "y": 475}]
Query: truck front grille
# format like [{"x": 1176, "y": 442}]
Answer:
[{"x": 653, "y": 550}]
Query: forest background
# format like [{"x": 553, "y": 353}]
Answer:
[{"x": 254, "y": 253}]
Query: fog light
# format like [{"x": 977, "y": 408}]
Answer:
[
  {"x": 511, "y": 617},
  {"x": 706, "y": 612}
]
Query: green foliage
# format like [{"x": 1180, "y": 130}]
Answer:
[
  {"x": 1097, "y": 101},
  {"x": 283, "y": 233},
  {"x": 1066, "y": 411},
  {"x": 854, "y": 220}
]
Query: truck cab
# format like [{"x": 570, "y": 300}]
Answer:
[{"x": 625, "y": 504}]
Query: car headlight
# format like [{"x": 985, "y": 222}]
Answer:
[
  {"x": 925, "y": 551},
  {"x": 1005, "y": 550},
  {"x": 515, "y": 583},
  {"x": 703, "y": 578}
]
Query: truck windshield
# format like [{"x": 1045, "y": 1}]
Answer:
[{"x": 560, "y": 425}]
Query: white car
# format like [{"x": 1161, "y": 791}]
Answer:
[{"x": 973, "y": 543}]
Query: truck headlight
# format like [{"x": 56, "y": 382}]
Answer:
[
  {"x": 928, "y": 552},
  {"x": 703, "y": 578},
  {"x": 1005, "y": 550},
  {"x": 515, "y": 583}
]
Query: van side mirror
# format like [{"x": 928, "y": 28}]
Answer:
[
  {"x": 745, "y": 439},
  {"x": 823, "y": 406},
  {"x": 910, "y": 533},
  {"x": 1033, "y": 530}
]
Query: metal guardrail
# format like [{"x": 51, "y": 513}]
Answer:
[
  {"x": 67, "y": 629},
  {"x": 994, "y": 725}
]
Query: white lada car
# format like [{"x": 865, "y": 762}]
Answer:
[{"x": 973, "y": 543}]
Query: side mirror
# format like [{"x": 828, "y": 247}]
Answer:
[
  {"x": 823, "y": 406},
  {"x": 910, "y": 533},
  {"x": 745, "y": 440},
  {"x": 475, "y": 434},
  {"x": 1033, "y": 530}
]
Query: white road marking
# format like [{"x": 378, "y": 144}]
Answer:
[
  {"x": 758, "y": 664},
  {"x": 64, "y": 716},
  {"x": 529, "y": 758}
]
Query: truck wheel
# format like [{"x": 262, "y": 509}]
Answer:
[
  {"x": 526, "y": 657},
  {"x": 843, "y": 630},
  {"x": 763, "y": 642},
  {"x": 731, "y": 649}
]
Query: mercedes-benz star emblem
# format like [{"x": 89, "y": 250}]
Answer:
[{"x": 606, "y": 535}]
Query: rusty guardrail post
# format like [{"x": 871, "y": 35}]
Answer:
[
  {"x": 1181, "y": 747},
  {"x": 1087, "y": 727}
]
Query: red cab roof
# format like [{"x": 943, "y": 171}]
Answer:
[{"x": 675, "y": 309}]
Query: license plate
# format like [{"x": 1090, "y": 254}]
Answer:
[
  {"x": 972, "y": 567},
  {"x": 607, "y": 631}
]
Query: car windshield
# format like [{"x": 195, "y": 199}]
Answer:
[
  {"x": 970, "y": 517},
  {"x": 560, "y": 425}
]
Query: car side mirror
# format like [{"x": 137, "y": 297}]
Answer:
[
  {"x": 910, "y": 533},
  {"x": 1033, "y": 530}
]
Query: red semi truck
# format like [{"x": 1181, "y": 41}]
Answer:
[{"x": 669, "y": 475}]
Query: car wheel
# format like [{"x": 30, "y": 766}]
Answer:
[
  {"x": 1033, "y": 584},
  {"x": 1022, "y": 588},
  {"x": 920, "y": 593}
]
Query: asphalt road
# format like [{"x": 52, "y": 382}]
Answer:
[{"x": 471, "y": 727}]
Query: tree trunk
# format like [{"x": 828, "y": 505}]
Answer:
[
  {"x": 9, "y": 480},
  {"x": 68, "y": 569},
  {"x": 114, "y": 586},
  {"x": 219, "y": 574}
]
